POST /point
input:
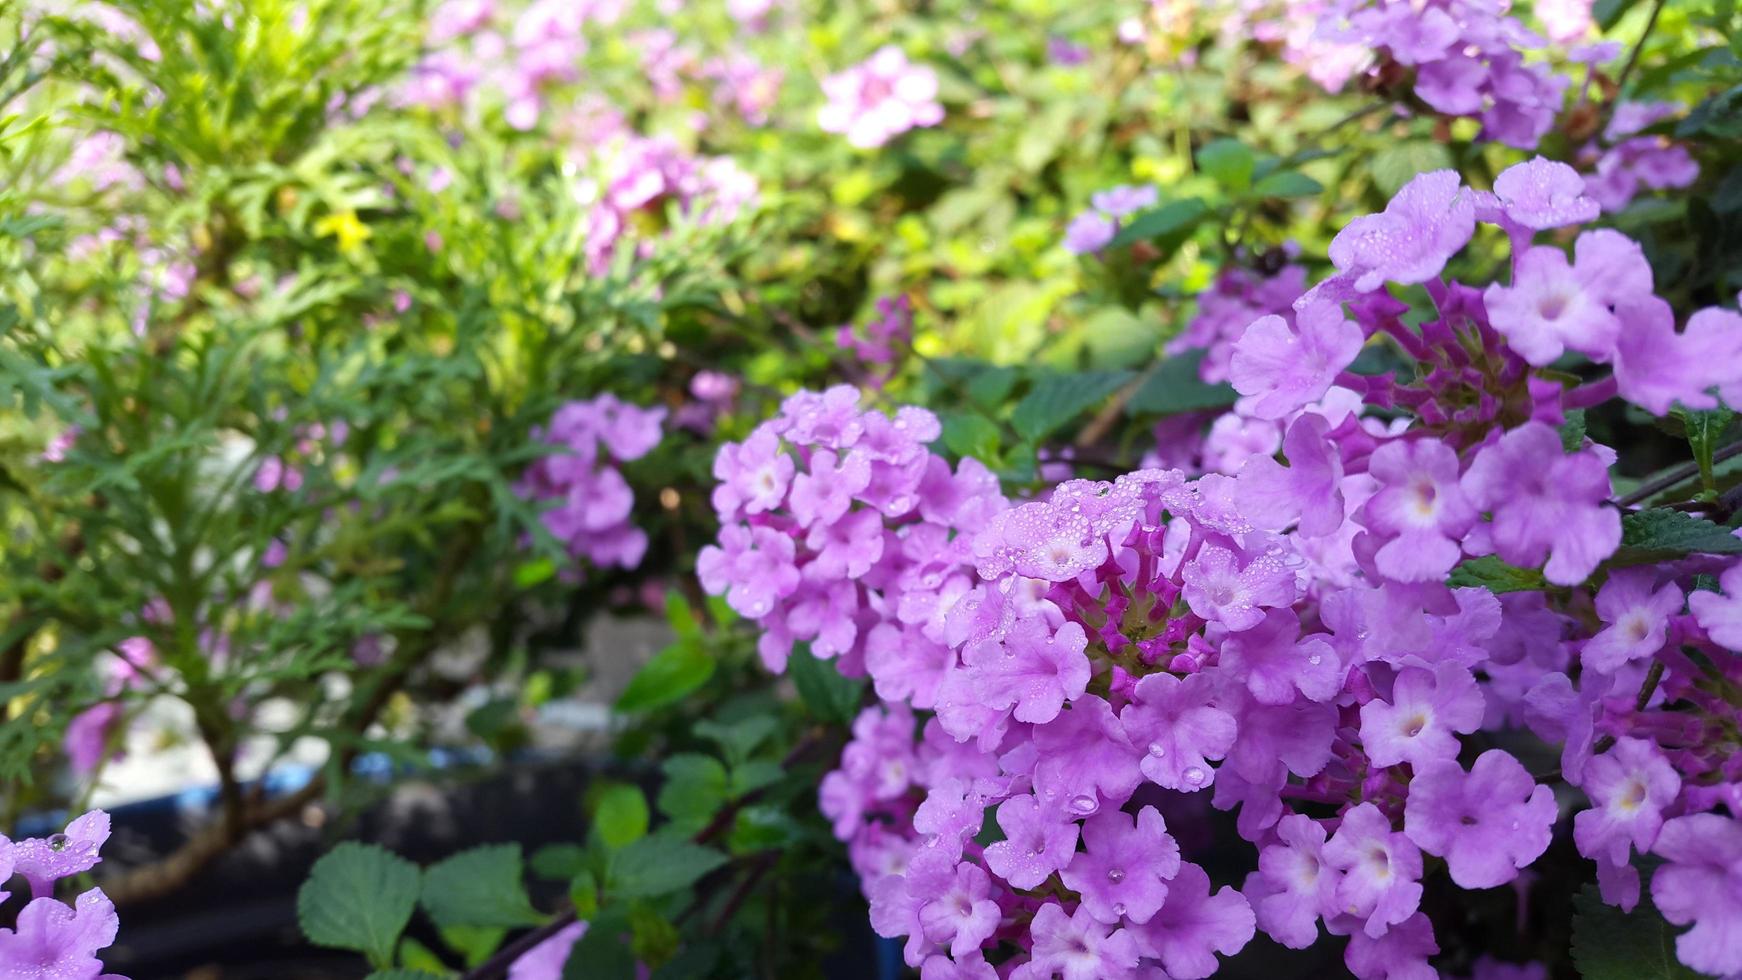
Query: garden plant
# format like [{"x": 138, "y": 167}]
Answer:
[{"x": 1134, "y": 490}]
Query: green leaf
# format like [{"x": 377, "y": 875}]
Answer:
[
  {"x": 403, "y": 975},
  {"x": 680, "y": 616},
  {"x": 660, "y": 865},
  {"x": 1489, "y": 572},
  {"x": 694, "y": 790},
  {"x": 1174, "y": 387},
  {"x": 479, "y": 887},
  {"x": 1720, "y": 115},
  {"x": 1608, "y": 13},
  {"x": 1573, "y": 430},
  {"x": 674, "y": 673},
  {"x": 1171, "y": 220},
  {"x": 602, "y": 952},
  {"x": 971, "y": 435},
  {"x": 829, "y": 696},
  {"x": 695, "y": 961},
  {"x": 558, "y": 862},
  {"x": 531, "y": 573},
  {"x": 739, "y": 738},
  {"x": 1705, "y": 430},
  {"x": 1056, "y": 399},
  {"x": 1288, "y": 183},
  {"x": 1396, "y": 165},
  {"x": 621, "y": 815},
  {"x": 358, "y": 897},
  {"x": 1228, "y": 162},
  {"x": 473, "y": 943},
  {"x": 1609, "y": 944},
  {"x": 991, "y": 385},
  {"x": 1661, "y": 535}
]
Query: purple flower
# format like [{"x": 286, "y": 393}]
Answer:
[
  {"x": 1429, "y": 708},
  {"x": 1637, "y": 618},
  {"x": 1293, "y": 885},
  {"x": 1084, "y": 752},
  {"x": 1076, "y": 947},
  {"x": 1123, "y": 870},
  {"x": 1275, "y": 661},
  {"x": 45, "y": 860},
  {"x": 1702, "y": 884},
  {"x": 1629, "y": 786},
  {"x": 1540, "y": 194},
  {"x": 1400, "y": 954},
  {"x": 1419, "y": 512},
  {"x": 1037, "y": 841},
  {"x": 879, "y": 99},
  {"x": 752, "y": 566},
  {"x": 1194, "y": 925},
  {"x": 1655, "y": 367},
  {"x": 1381, "y": 870},
  {"x": 1553, "y": 306},
  {"x": 1308, "y": 489},
  {"x": 545, "y": 961},
  {"x": 1040, "y": 540},
  {"x": 1427, "y": 222},
  {"x": 1281, "y": 369},
  {"x": 1089, "y": 232},
  {"x": 54, "y": 940},
  {"x": 1124, "y": 200},
  {"x": 1179, "y": 727},
  {"x": 1487, "y": 823},
  {"x": 1033, "y": 670},
  {"x": 1720, "y": 615},
  {"x": 1545, "y": 503},
  {"x": 1222, "y": 588},
  {"x": 963, "y": 916}
]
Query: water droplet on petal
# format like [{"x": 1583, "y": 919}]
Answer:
[
  {"x": 1084, "y": 804},
  {"x": 1118, "y": 908},
  {"x": 1194, "y": 775},
  {"x": 1157, "y": 749},
  {"x": 1115, "y": 875},
  {"x": 1315, "y": 660},
  {"x": 58, "y": 842}
]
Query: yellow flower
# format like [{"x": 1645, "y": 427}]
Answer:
[{"x": 344, "y": 226}]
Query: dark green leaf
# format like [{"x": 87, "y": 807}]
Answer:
[
  {"x": 1228, "y": 162},
  {"x": 1174, "y": 386},
  {"x": 739, "y": 738},
  {"x": 1720, "y": 115},
  {"x": 694, "y": 962},
  {"x": 1609, "y": 944},
  {"x": 1056, "y": 399},
  {"x": 1661, "y": 535},
  {"x": 358, "y": 897},
  {"x": 1705, "y": 431},
  {"x": 829, "y": 696},
  {"x": 1608, "y": 13},
  {"x": 602, "y": 953},
  {"x": 971, "y": 435},
  {"x": 558, "y": 862},
  {"x": 1288, "y": 183},
  {"x": 403, "y": 975},
  {"x": 694, "y": 790},
  {"x": 1171, "y": 220},
  {"x": 621, "y": 815},
  {"x": 671, "y": 675},
  {"x": 479, "y": 887},
  {"x": 992, "y": 385},
  {"x": 1489, "y": 572},
  {"x": 1573, "y": 430},
  {"x": 1396, "y": 165},
  {"x": 659, "y": 865}
]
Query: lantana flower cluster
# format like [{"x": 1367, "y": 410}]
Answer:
[
  {"x": 1063, "y": 681},
  {"x": 52, "y": 938},
  {"x": 589, "y": 503},
  {"x": 880, "y": 98}
]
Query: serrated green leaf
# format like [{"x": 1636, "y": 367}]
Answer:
[
  {"x": 1705, "y": 431},
  {"x": 671, "y": 675},
  {"x": 1173, "y": 219},
  {"x": 829, "y": 696},
  {"x": 1174, "y": 387},
  {"x": 1057, "y": 399},
  {"x": 1228, "y": 162},
  {"x": 621, "y": 815},
  {"x": 659, "y": 865},
  {"x": 1288, "y": 183},
  {"x": 479, "y": 887},
  {"x": 358, "y": 897},
  {"x": 970, "y": 435},
  {"x": 1609, "y": 944},
  {"x": 1573, "y": 430},
  {"x": 1489, "y": 572},
  {"x": 1661, "y": 535},
  {"x": 695, "y": 788}
]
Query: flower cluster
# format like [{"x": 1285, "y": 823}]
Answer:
[
  {"x": 1068, "y": 675},
  {"x": 52, "y": 938},
  {"x": 589, "y": 500},
  {"x": 1094, "y": 229},
  {"x": 877, "y": 100},
  {"x": 881, "y": 339},
  {"x": 1628, "y": 162}
]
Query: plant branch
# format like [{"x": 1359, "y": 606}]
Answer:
[{"x": 1652, "y": 488}]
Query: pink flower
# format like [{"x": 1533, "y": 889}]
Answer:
[
  {"x": 1420, "y": 512},
  {"x": 1629, "y": 786},
  {"x": 1194, "y": 925},
  {"x": 1122, "y": 872},
  {"x": 1487, "y": 823},
  {"x": 1427, "y": 222},
  {"x": 879, "y": 99},
  {"x": 1720, "y": 615},
  {"x": 1545, "y": 503},
  {"x": 1179, "y": 727},
  {"x": 1637, "y": 617},
  {"x": 1282, "y": 369},
  {"x": 1037, "y": 842},
  {"x": 1427, "y": 711},
  {"x": 1381, "y": 870},
  {"x": 1702, "y": 884},
  {"x": 1076, "y": 947}
]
